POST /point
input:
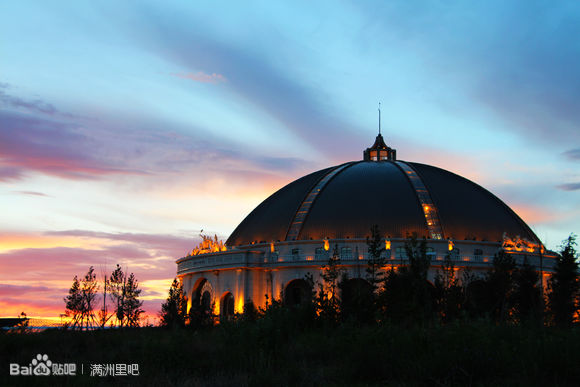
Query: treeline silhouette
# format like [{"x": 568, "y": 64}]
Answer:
[
  {"x": 506, "y": 294},
  {"x": 120, "y": 303}
]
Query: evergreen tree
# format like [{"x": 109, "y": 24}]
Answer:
[
  {"x": 406, "y": 295},
  {"x": 117, "y": 283},
  {"x": 124, "y": 292},
  {"x": 500, "y": 286},
  {"x": 564, "y": 286},
  {"x": 74, "y": 304},
  {"x": 327, "y": 300},
  {"x": 527, "y": 299},
  {"x": 376, "y": 260},
  {"x": 449, "y": 293},
  {"x": 132, "y": 306},
  {"x": 174, "y": 309},
  {"x": 89, "y": 289}
]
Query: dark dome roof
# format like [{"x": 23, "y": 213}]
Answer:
[{"x": 346, "y": 200}]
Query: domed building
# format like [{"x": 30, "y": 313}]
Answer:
[{"x": 295, "y": 230}]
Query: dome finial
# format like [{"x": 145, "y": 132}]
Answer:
[
  {"x": 379, "y": 118},
  {"x": 379, "y": 151}
]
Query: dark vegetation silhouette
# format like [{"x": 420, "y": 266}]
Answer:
[
  {"x": 123, "y": 292},
  {"x": 507, "y": 294}
]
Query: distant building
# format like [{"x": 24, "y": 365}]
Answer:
[{"x": 294, "y": 231}]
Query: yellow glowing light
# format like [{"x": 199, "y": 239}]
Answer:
[
  {"x": 272, "y": 247},
  {"x": 450, "y": 245},
  {"x": 387, "y": 244},
  {"x": 240, "y": 305},
  {"x": 208, "y": 245},
  {"x": 326, "y": 245},
  {"x": 426, "y": 208}
]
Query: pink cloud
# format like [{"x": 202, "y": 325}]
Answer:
[
  {"x": 36, "y": 280},
  {"x": 202, "y": 77}
]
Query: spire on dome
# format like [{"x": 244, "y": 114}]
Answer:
[{"x": 379, "y": 151}]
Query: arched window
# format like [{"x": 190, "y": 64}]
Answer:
[
  {"x": 227, "y": 307},
  {"x": 401, "y": 253},
  {"x": 295, "y": 254},
  {"x": 320, "y": 253},
  {"x": 297, "y": 292},
  {"x": 345, "y": 253}
]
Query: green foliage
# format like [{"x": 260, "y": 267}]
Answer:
[
  {"x": 564, "y": 286},
  {"x": 174, "y": 309}
]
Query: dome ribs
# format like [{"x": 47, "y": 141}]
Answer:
[
  {"x": 300, "y": 216},
  {"x": 429, "y": 209}
]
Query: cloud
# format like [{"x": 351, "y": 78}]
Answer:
[
  {"x": 202, "y": 77},
  {"x": 572, "y": 154},
  {"x": 31, "y": 193},
  {"x": 569, "y": 187},
  {"x": 251, "y": 75},
  {"x": 9, "y": 173},
  {"x": 51, "y": 147},
  {"x": 31, "y": 106}
]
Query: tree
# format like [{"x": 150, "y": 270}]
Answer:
[
  {"x": 406, "y": 295},
  {"x": 117, "y": 284},
  {"x": 81, "y": 300},
  {"x": 124, "y": 292},
  {"x": 564, "y": 286},
  {"x": 449, "y": 293},
  {"x": 500, "y": 286},
  {"x": 327, "y": 300},
  {"x": 375, "y": 260},
  {"x": 73, "y": 304},
  {"x": 174, "y": 309},
  {"x": 527, "y": 299},
  {"x": 89, "y": 289},
  {"x": 132, "y": 306}
]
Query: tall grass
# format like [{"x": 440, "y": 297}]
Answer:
[{"x": 276, "y": 352}]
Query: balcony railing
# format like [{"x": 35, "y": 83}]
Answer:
[{"x": 267, "y": 259}]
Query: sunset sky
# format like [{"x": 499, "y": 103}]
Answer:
[{"x": 126, "y": 127}]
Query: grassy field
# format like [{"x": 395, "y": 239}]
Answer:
[{"x": 266, "y": 353}]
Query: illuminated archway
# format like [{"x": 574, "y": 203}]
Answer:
[
  {"x": 202, "y": 296},
  {"x": 227, "y": 307}
]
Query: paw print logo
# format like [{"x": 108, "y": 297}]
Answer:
[{"x": 41, "y": 365}]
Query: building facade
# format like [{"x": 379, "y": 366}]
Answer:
[{"x": 295, "y": 231}]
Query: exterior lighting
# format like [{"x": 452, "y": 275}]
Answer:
[
  {"x": 272, "y": 247},
  {"x": 450, "y": 245},
  {"x": 387, "y": 244},
  {"x": 326, "y": 245}
]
